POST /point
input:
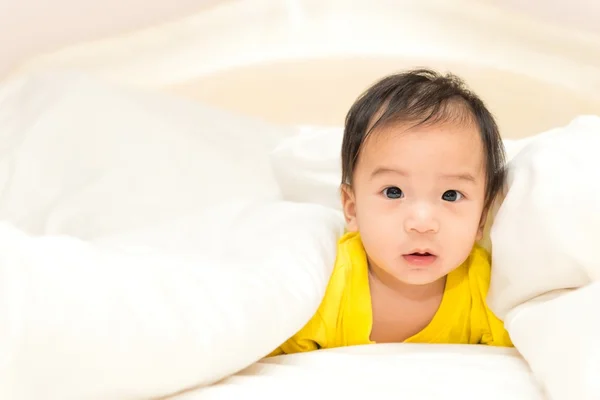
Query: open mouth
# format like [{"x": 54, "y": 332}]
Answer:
[{"x": 420, "y": 258}]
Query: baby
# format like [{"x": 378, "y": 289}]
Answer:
[{"x": 422, "y": 161}]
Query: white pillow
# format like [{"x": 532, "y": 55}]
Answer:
[
  {"x": 81, "y": 157},
  {"x": 307, "y": 166},
  {"x": 549, "y": 219},
  {"x": 110, "y": 321},
  {"x": 545, "y": 238}
]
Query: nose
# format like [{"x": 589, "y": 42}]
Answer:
[{"x": 421, "y": 219}]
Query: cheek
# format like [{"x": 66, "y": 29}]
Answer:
[
  {"x": 376, "y": 213},
  {"x": 459, "y": 235},
  {"x": 464, "y": 224},
  {"x": 380, "y": 226}
]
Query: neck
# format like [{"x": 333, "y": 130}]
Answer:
[{"x": 413, "y": 292}]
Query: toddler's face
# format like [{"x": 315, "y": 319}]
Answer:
[{"x": 417, "y": 199}]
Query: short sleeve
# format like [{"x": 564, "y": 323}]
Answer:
[
  {"x": 495, "y": 334},
  {"x": 311, "y": 337}
]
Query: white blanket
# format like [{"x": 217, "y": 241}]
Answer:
[
  {"x": 84, "y": 321},
  {"x": 546, "y": 273},
  {"x": 117, "y": 288},
  {"x": 143, "y": 242}
]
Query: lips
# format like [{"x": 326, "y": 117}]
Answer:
[{"x": 420, "y": 258}]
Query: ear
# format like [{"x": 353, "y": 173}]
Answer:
[{"x": 349, "y": 207}]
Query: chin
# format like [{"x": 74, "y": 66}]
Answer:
[
  {"x": 416, "y": 275},
  {"x": 416, "y": 281}
]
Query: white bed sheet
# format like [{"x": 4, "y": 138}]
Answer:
[{"x": 383, "y": 371}]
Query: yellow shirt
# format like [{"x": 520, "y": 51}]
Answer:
[{"x": 345, "y": 316}]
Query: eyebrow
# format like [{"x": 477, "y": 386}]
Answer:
[
  {"x": 386, "y": 170},
  {"x": 467, "y": 177},
  {"x": 461, "y": 177}
]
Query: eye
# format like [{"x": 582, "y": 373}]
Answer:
[
  {"x": 393, "y": 192},
  {"x": 452, "y": 195}
]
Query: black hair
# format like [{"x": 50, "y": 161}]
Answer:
[{"x": 423, "y": 96}]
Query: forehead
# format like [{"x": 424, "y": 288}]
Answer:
[{"x": 424, "y": 149}]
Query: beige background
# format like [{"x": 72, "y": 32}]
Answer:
[
  {"x": 536, "y": 63},
  {"x": 28, "y": 27}
]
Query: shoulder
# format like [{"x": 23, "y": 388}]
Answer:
[
  {"x": 350, "y": 242},
  {"x": 350, "y": 270},
  {"x": 322, "y": 331},
  {"x": 479, "y": 271},
  {"x": 351, "y": 261},
  {"x": 479, "y": 267}
]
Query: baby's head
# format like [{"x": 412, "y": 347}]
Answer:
[{"x": 422, "y": 161}]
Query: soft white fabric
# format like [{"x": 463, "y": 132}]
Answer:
[
  {"x": 383, "y": 371},
  {"x": 307, "y": 166},
  {"x": 544, "y": 237},
  {"x": 84, "y": 158},
  {"x": 174, "y": 253},
  {"x": 187, "y": 268},
  {"x": 549, "y": 220},
  {"x": 558, "y": 335},
  {"x": 108, "y": 322}
]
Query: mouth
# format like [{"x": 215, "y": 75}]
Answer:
[
  {"x": 420, "y": 253},
  {"x": 420, "y": 258}
]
